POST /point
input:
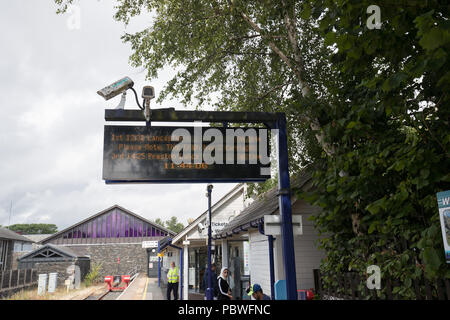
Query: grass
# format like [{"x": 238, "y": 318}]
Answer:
[
  {"x": 93, "y": 282},
  {"x": 59, "y": 294}
]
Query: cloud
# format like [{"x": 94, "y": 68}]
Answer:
[{"x": 51, "y": 138}]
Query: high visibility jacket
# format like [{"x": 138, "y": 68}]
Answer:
[{"x": 173, "y": 275}]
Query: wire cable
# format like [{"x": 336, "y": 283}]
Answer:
[{"x": 137, "y": 101}]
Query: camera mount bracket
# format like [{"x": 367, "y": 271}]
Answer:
[{"x": 123, "y": 99}]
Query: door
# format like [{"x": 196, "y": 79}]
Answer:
[{"x": 152, "y": 262}]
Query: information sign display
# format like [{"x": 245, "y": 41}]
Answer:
[{"x": 134, "y": 154}]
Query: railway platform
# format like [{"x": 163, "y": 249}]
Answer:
[{"x": 143, "y": 288}]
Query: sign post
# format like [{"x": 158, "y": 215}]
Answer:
[
  {"x": 284, "y": 186},
  {"x": 128, "y": 158},
  {"x": 209, "y": 290}
]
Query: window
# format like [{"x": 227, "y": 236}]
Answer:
[{"x": 20, "y": 246}]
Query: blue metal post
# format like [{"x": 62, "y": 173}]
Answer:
[
  {"x": 287, "y": 237},
  {"x": 159, "y": 268},
  {"x": 209, "y": 290}
]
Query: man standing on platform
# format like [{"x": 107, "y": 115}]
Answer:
[{"x": 173, "y": 277}]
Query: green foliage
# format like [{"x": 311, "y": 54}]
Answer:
[
  {"x": 159, "y": 221},
  {"x": 172, "y": 224},
  {"x": 391, "y": 127},
  {"x": 34, "y": 228}
]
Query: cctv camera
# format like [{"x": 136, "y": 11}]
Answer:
[
  {"x": 200, "y": 227},
  {"x": 116, "y": 88},
  {"x": 148, "y": 92}
]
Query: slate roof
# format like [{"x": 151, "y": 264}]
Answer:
[
  {"x": 266, "y": 204},
  {"x": 11, "y": 235},
  {"x": 37, "y": 237}
]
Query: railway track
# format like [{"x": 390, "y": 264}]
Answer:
[{"x": 109, "y": 295}]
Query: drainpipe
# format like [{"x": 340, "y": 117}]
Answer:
[{"x": 272, "y": 269}]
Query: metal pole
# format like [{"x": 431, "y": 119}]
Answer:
[
  {"x": 159, "y": 267},
  {"x": 284, "y": 186},
  {"x": 271, "y": 261},
  {"x": 272, "y": 269},
  {"x": 209, "y": 290}
]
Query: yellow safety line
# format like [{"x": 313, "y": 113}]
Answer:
[{"x": 145, "y": 290}]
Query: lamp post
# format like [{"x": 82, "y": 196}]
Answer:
[{"x": 209, "y": 290}]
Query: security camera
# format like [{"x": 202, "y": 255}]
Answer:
[
  {"x": 116, "y": 88},
  {"x": 200, "y": 227},
  {"x": 148, "y": 92}
]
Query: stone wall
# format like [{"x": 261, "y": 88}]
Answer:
[
  {"x": 61, "y": 269},
  {"x": 131, "y": 256}
]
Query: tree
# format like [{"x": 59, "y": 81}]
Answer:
[
  {"x": 34, "y": 228},
  {"x": 388, "y": 121},
  {"x": 159, "y": 221},
  {"x": 174, "y": 225},
  {"x": 171, "y": 224},
  {"x": 250, "y": 55}
]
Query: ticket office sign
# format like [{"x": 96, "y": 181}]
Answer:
[{"x": 134, "y": 154}]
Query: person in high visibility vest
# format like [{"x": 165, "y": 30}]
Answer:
[{"x": 173, "y": 277}]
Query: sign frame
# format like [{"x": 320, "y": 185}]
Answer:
[
  {"x": 269, "y": 119},
  {"x": 272, "y": 225},
  {"x": 149, "y": 244},
  {"x": 142, "y": 154}
]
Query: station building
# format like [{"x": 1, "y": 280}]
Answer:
[
  {"x": 249, "y": 225},
  {"x": 12, "y": 246},
  {"x": 242, "y": 245},
  {"x": 189, "y": 250},
  {"x": 113, "y": 238}
]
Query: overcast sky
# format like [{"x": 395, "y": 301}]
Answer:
[{"x": 51, "y": 132}]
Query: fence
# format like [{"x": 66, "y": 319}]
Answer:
[
  {"x": 16, "y": 279},
  {"x": 351, "y": 286}
]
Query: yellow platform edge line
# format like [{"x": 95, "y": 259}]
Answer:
[{"x": 145, "y": 290}]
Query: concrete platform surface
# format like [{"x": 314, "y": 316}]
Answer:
[
  {"x": 153, "y": 291},
  {"x": 143, "y": 288}
]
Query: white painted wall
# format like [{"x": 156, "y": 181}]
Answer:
[
  {"x": 223, "y": 214},
  {"x": 307, "y": 254},
  {"x": 259, "y": 261}
]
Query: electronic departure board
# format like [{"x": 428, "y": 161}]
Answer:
[{"x": 141, "y": 154}]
